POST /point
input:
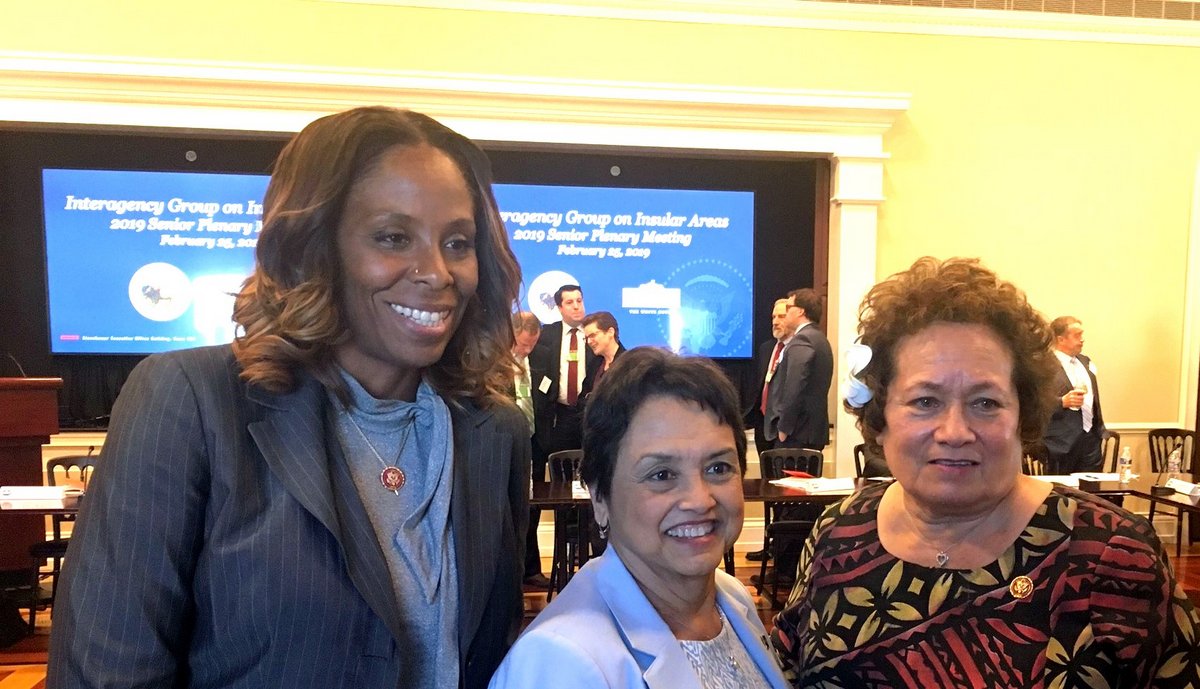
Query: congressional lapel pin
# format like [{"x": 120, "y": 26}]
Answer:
[{"x": 1021, "y": 587}]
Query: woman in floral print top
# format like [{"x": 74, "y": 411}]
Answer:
[{"x": 963, "y": 572}]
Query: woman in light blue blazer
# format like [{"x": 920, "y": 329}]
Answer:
[{"x": 663, "y": 443}]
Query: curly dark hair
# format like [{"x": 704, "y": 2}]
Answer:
[
  {"x": 288, "y": 309},
  {"x": 636, "y": 376},
  {"x": 957, "y": 290}
]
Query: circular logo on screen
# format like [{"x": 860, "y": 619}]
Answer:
[
  {"x": 541, "y": 294},
  {"x": 160, "y": 291},
  {"x": 714, "y": 309}
]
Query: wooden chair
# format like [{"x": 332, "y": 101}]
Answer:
[
  {"x": 786, "y": 526},
  {"x": 570, "y": 524},
  {"x": 1033, "y": 466},
  {"x": 1110, "y": 449},
  {"x": 1162, "y": 442},
  {"x": 72, "y": 470},
  {"x": 1036, "y": 461},
  {"x": 868, "y": 464}
]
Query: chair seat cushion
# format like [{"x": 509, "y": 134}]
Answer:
[{"x": 55, "y": 547}]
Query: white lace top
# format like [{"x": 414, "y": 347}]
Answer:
[{"x": 722, "y": 662}]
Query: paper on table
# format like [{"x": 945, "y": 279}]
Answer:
[
  {"x": 1096, "y": 476},
  {"x": 39, "y": 497},
  {"x": 579, "y": 491},
  {"x": 1072, "y": 481},
  {"x": 817, "y": 485}
]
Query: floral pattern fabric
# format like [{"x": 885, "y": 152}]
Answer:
[{"x": 1085, "y": 597}]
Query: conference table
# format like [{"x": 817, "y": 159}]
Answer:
[
  {"x": 561, "y": 494},
  {"x": 549, "y": 494}
]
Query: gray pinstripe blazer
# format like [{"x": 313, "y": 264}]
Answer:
[
  {"x": 798, "y": 395},
  {"x": 222, "y": 543}
]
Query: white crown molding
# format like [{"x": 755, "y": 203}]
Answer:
[
  {"x": 240, "y": 96},
  {"x": 835, "y": 16}
]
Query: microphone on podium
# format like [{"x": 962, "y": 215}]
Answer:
[{"x": 19, "y": 367}]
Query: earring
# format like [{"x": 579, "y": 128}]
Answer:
[{"x": 604, "y": 531}]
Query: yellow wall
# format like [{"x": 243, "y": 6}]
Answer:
[{"x": 1067, "y": 166}]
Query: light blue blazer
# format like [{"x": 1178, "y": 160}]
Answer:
[{"x": 603, "y": 632}]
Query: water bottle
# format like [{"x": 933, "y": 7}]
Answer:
[
  {"x": 1173, "y": 462},
  {"x": 1125, "y": 466}
]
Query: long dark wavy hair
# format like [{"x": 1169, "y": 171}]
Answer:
[{"x": 288, "y": 309}]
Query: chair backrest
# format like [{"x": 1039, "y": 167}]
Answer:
[
  {"x": 1033, "y": 466},
  {"x": 1036, "y": 460},
  {"x": 1110, "y": 449},
  {"x": 1163, "y": 440},
  {"x": 564, "y": 465},
  {"x": 75, "y": 470},
  {"x": 870, "y": 463},
  {"x": 773, "y": 462}
]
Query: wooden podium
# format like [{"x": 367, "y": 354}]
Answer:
[{"x": 28, "y": 417}]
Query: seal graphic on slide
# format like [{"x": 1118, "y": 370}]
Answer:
[
  {"x": 160, "y": 292},
  {"x": 715, "y": 306}
]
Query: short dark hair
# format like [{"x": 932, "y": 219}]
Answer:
[
  {"x": 957, "y": 290},
  {"x": 636, "y": 376},
  {"x": 810, "y": 301},
  {"x": 603, "y": 320},
  {"x": 1059, "y": 326},
  {"x": 565, "y": 288}
]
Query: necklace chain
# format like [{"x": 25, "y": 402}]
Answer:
[
  {"x": 392, "y": 477},
  {"x": 943, "y": 554}
]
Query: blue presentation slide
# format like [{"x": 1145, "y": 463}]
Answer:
[
  {"x": 674, "y": 266},
  {"x": 143, "y": 262}
]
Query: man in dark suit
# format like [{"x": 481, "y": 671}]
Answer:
[
  {"x": 1074, "y": 433},
  {"x": 769, "y": 354},
  {"x": 797, "y": 411},
  {"x": 559, "y": 363},
  {"x": 526, "y": 330}
]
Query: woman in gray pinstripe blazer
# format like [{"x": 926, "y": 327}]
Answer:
[{"x": 336, "y": 499}]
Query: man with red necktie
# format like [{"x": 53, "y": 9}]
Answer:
[
  {"x": 557, "y": 366},
  {"x": 559, "y": 362},
  {"x": 769, "y": 353}
]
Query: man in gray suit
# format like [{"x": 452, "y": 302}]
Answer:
[{"x": 797, "y": 413}]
